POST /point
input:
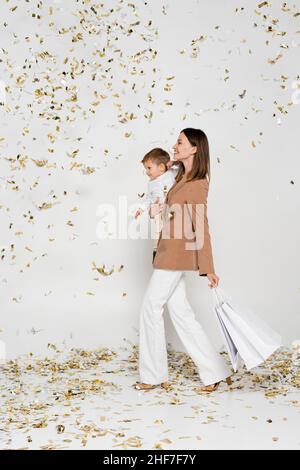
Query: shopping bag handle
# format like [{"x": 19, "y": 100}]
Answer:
[
  {"x": 221, "y": 295},
  {"x": 216, "y": 294}
]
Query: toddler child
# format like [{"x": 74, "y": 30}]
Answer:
[{"x": 161, "y": 171}]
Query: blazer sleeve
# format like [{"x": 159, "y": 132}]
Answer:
[{"x": 197, "y": 205}]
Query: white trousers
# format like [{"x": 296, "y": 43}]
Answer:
[{"x": 168, "y": 287}]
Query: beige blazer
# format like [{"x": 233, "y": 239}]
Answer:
[{"x": 184, "y": 241}]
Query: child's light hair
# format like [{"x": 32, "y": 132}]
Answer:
[{"x": 157, "y": 155}]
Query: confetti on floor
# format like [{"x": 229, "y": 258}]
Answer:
[{"x": 81, "y": 399}]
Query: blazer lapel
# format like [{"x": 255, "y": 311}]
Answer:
[{"x": 176, "y": 186}]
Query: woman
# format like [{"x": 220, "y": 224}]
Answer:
[{"x": 177, "y": 253}]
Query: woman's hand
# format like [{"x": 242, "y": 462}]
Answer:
[
  {"x": 170, "y": 163},
  {"x": 214, "y": 280},
  {"x": 138, "y": 213},
  {"x": 155, "y": 208}
]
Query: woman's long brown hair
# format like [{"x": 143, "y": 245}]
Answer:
[{"x": 201, "y": 162}]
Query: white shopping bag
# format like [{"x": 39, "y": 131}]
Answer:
[
  {"x": 233, "y": 353},
  {"x": 247, "y": 337}
]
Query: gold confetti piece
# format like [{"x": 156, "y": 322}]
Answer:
[
  {"x": 175, "y": 401},
  {"x": 133, "y": 442},
  {"x": 40, "y": 163},
  {"x": 200, "y": 39},
  {"x": 166, "y": 441},
  {"x": 88, "y": 170},
  {"x": 168, "y": 87},
  {"x": 273, "y": 61},
  {"x": 45, "y": 205},
  {"x": 60, "y": 428},
  {"x": 158, "y": 421},
  {"x": 158, "y": 446},
  {"x": 101, "y": 270},
  {"x": 73, "y": 154},
  {"x": 263, "y": 4},
  {"x": 41, "y": 424},
  {"x": 20, "y": 80}
]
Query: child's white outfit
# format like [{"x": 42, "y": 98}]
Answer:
[{"x": 158, "y": 188}]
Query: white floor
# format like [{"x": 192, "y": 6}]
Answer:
[{"x": 87, "y": 401}]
